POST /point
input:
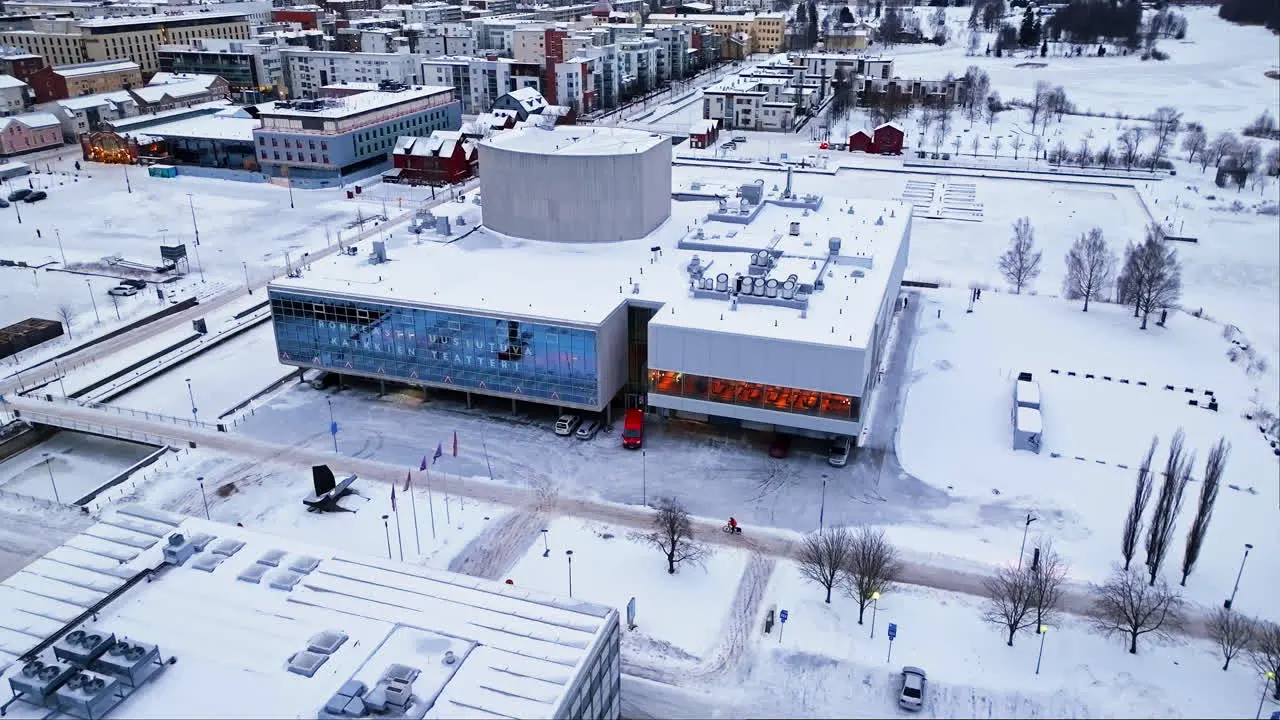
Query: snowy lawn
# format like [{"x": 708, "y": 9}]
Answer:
[
  {"x": 268, "y": 498},
  {"x": 79, "y": 464},
  {"x": 957, "y": 434},
  {"x": 827, "y": 664},
  {"x": 682, "y": 613}
]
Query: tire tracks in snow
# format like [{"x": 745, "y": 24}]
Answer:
[{"x": 497, "y": 549}]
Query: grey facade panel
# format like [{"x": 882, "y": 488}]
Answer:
[
  {"x": 576, "y": 197},
  {"x": 755, "y": 359},
  {"x": 611, "y": 353}
]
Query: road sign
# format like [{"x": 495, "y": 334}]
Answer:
[
  {"x": 333, "y": 428},
  {"x": 783, "y": 616},
  {"x": 893, "y": 630},
  {"x": 631, "y": 613}
]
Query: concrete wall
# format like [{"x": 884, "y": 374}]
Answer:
[
  {"x": 576, "y": 198},
  {"x": 611, "y": 353},
  {"x": 758, "y": 360}
]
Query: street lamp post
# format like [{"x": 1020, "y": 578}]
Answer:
[
  {"x": 93, "y": 300},
  {"x": 386, "y": 530},
  {"x": 192, "y": 204},
  {"x": 1266, "y": 682},
  {"x": 1044, "y": 630},
  {"x": 1023, "y": 551},
  {"x": 58, "y": 234},
  {"x": 199, "y": 265},
  {"x": 822, "y": 509},
  {"x": 1232, "y": 600},
  {"x": 57, "y": 370},
  {"x": 875, "y": 605},
  {"x": 192, "y": 397},
  {"x": 546, "y": 549},
  {"x": 246, "y": 277},
  {"x": 127, "y": 186},
  {"x": 19, "y": 211},
  {"x": 48, "y": 464},
  {"x": 569, "y": 554},
  {"x": 204, "y": 497}
]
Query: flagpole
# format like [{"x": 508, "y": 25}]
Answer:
[
  {"x": 399, "y": 537},
  {"x": 447, "y": 517},
  {"x": 485, "y": 445},
  {"x": 413, "y": 506},
  {"x": 431, "y": 506}
]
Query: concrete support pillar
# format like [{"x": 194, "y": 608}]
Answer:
[
  {"x": 468, "y": 400},
  {"x": 513, "y": 406},
  {"x": 382, "y": 387}
]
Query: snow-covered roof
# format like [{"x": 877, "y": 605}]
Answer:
[
  {"x": 701, "y": 127},
  {"x": 529, "y": 98},
  {"x": 1027, "y": 393},
  {"x": 97, "y": 68},
  {"x": 174, "y": 91},
  {"x": 170, "y": 78},
  {"x": 862, "y": 131},
  {"x": 490, "y": 274},
  {"x": 893, "y": 125},
  {"x": 1029, "y": 420},
  {"x": 356, "y": 104},
  {"x": 213, "y": 126},
  {"x": 9, "y": 81},
  {"x": 576, "y": 140},
  {"x": 234, "y": 615},
  {"x": 35, "y": 120}
]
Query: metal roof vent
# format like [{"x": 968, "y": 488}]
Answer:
[
  {"x": 833, "y": 245},
  {"x": 326, "y": 642},
  {"x": 207, "y": 561},
  {"x": 449, "y": 657},
  {"x": 303, "y": 564},
  {"x": 272, "y": 558},
  {"x": 283, "y": 580},
  {"x": 226, "y": 547},
  {"x": 253, "y": 573},
  {"x": 306, "y": 663}
]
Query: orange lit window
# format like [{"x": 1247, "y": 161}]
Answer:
[
  {"x": 723, "y": 390},
  {"x": 668, "y": 383},
  {"x": 653, "y": 377},
  {"x": 749, "y": 394},
  {"x": 806, "y": 402},
  {"x": 835, "y": 405},
  {"x": 779, "y": 398},
  {"x": 695, "y": 386}
]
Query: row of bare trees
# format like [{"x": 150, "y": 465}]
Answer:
[
  {"x": 1027, "y": 596},
  {"x": 861, "y": 561},
  {"x": 1258, "y": 639}
]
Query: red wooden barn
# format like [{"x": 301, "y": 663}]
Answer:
[
  {"x": 888, "y": 139},
  {"x": 861, "y": 141},
  {"x": 442, "y": 158}
]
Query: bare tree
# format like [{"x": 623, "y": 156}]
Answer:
[
  {"x": 1127, "y": 281},
  {"x": 939, "y": 136},
  {"x": 1158, "y": 277},
  {"x": 1127, "y": 605},
  {"x": 1037, "y": 145},
  {"x": 1105, "y": 157},
  {"x": 673, "y": 535},
  {"x": 1130, "y": 146},
  {"x": 1223, "y": 145},
  {"x": 825, "y": 556},
  {"x": 1194, "y": 142},
  {"x": 995, "y": 146},
  {"x": 924, "y": 120},
  {"x": 1016, "y": 144},
  {"x": 1090, "y": 267},
  {"x": 992, "y": 109},
  {"x": 1177, "y": 471},
  {"x": 1265, "y": 651},
  {"x": 1060, "y": 153},
  {"x": 977, "y": 139},
  {"x": 1137, "y": 508},
  {"x": 956, "y": 143},
  {"x": 873, "y": 567},
  {"x": 1048, "y": 575},
  {"x": 1039, "y": 105},
  {"x": 1209, "y": 486},
  {"x": 1010, "y": 600},
  {"x": 1020, "y": 264},
  {"x": 66, "y": 314},
  {"x": 1232, "y": 631},
  {"x": 1084, "y": 155},
  {"x": 1165, "y": 123}
]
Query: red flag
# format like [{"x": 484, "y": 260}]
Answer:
[
  {"x": 455, "y": 443},
  {"x": 393, "y": 498},
  {"x": 408, "y": 478}
]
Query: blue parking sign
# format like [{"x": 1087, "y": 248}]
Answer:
[
  {"x": 893, "y": 630},
  {"x": 783, "y": 616}
]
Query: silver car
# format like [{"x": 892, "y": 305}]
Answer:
[
  {"x": 567, "y": 424},
  {"x": 838, "y": 454},
  {"x": 914, "y": 684},
  {"x": 588, "y": 429}
]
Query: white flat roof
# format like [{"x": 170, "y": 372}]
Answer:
[
  {"x": 9, "y": 81},
  {"x": 1029, "y": 420},
  {"x": 212, "y": 127},
  {"x": 96, "y": 68},
  {"x": 145, "y": 19},
  {"x": 517, "y": 651},
  {"x": 493, "y": 275},
  {"x": 347, "y": 105},
  {"x": 575, "y": 140}
]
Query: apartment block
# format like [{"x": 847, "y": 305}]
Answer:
[
  {"x": 244, "y": 64},
  {"x": 306, "y": 71}
]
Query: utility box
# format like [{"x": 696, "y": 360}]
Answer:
[{"x": 200, "y": 326}]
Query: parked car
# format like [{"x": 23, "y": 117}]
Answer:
[
  {"x": 566, "y": 424},
  {"x": 781, "y": 446},
  {"x": 633, "y": 429},
  {"x": 914, "y": 684},
  {"x": 138, "y": 284},
  {"x": 739, "y": 138},
  {"x": 122, "y": 291},
  {"x": 588, "y": 429},
  {"x": 35, "y": 197},
  {"x": 838, "y": 454},
  {"x": 319, "y": 379},
  {"x": 18, "y": 194}
]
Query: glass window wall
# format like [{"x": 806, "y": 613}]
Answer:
[
  {"x": 767, "y": 397},
  {"x": 481, "y": 354}
]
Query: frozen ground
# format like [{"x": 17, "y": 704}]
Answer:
[
  {"x": 29, "y": 528},
  {"x": 79, "y": 464},
  {"x": 678, "y": 617},
  {"x": 959, "y": 405},
  {"x": 252, "y": 355}
]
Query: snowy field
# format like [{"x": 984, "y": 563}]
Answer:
[
  {"x": 956, "y": 434},
  {"x": 79, "y": 464},
  {"x": 252, "y": 354}
]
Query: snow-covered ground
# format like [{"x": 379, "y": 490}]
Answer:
[
  {"x": 78, "y": 463},
  {"x": 956, "y": 434}
]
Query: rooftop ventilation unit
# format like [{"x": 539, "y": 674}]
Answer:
[
  {"x": 226, "y": 547},
  {"x": 88, "y": 694},
  {"x": 303, "y": 564},
  {"x": 396, "y": 672},
  {"x": 722, "y": 282},
  {"x": 130, "y": 661},
  {"x": 178, "y": 549},
  {"x": 379, "y": 255},
  {"x": 207, "y": 561},
  {"x": 253, "y": 573},
  {"x": 326, "y": 642},
  {"x": 272, "y": 558},
  {"x": 82, "y": 646},
  {"x": 39, "y": 678},
  {"x": 306, "y": 663},
  {"x": 795, "y": 227},
  {"x": 833, "y": 245},
  {"x": 283, "y": 579}
]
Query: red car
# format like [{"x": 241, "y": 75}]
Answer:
[
  {"x": 781, "y": 446},
  {"x": 633, "y": 429}
]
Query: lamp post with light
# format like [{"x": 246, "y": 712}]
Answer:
[
  {"x": 875, "y": 605},
  {"x": 1044, "y": 630}
]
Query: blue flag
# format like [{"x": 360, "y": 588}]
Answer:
[
  {"x": 439, "y": 453},
  {"x": 423, "y": 466}
]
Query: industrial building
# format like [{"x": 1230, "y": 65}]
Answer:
[
  {"x": 149, "y": 614},
  {"x": 754, "y": 304}
]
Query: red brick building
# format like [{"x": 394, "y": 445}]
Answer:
[
  {"x": 21, "y": 65},
  {"x": 309, "y": 18},
  {"x": 704, "y": 133},
  {"x": 888, "y": 139},
  {"x": 861, "y": 141},
  {"x": 443, "y": 158}
]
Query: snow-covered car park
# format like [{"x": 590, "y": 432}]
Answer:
[{"x": 966, "y": 489}]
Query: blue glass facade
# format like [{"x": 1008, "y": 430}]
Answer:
[{"x": 488, "y": 355}]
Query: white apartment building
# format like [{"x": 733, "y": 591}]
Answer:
[
  {"x": 449, "y": 39},
  {"x": 822, "y": 66},
  {"x": 306, "y": 70},
  {"x": 480, "y": 81},
  {"x": 432, "y": 13},
  {"x": 638, "y": 60},
  {"x": 752, "y": 103},
  {"x": 382, "y": 40},
  {"x": 14, "y": 95},
  {"x": 85, "y": 114}
]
